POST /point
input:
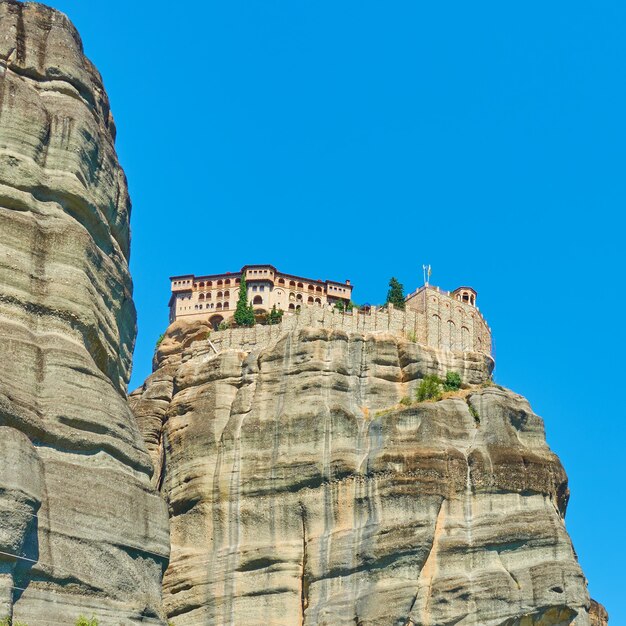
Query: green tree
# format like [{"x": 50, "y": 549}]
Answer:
[
  {"x": 244, "y": 313},
  {"x": 429, "y": 388},
  {"x": 274, "y": 316},
  {"x": 395, "y": 295},
  {"x": 452, "y": 381},
  {"x": 340, "y": 306}
]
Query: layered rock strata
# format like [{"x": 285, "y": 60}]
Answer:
[
  {"x": 306, "y": 487},
  {"x": 81, "y": 530}
]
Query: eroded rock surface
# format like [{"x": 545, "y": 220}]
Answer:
[
  {"x": 82, "y": 531},
  {"x": 598, "y": 614},
  {"x": 303, "y": 491}
]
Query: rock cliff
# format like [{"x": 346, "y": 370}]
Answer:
[
  {"x": 81, "y": 529},
  {"x": 305, "y": 487},
  {"x": 303, "y": 484}
]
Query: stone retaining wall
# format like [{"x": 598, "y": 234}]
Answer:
[{"x": 448, "y": 329}]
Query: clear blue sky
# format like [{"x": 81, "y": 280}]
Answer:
[{"x": 360, "y": 139}]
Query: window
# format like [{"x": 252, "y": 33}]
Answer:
[
  {"x": 219, "y": 305},
  {"x": 201, "y": 296},
  {"x": 300, "y": 286},
  {"x": 257, "y": 300},
  {"x": 299, "y": 297},
  {"x": 254, "y": 288},
  {"x": 292, "y": 307},
  {"x": 261, "y": 288},
  {"x": 201, "y": 284},
  {"x": 219, "y": 283},
  {"x": 226, "y": 294},
  {"x": 318, "y": 288},
  {"x": 292, "y": 283},
  {"x": 318, "y": 301},
  {"x": 209, "y": 284},
  {"x": 225, "y": 305},
  {"x": 227, "y": 281},
  {"x": 310, "y": 300},
  {"x": 220, "y": 294},
  {"x": 281, "y": 281},
  {"x": 215, "y": 321}
]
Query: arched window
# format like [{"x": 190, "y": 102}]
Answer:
[
  {"x": 220, "y": 294},
  {"x": 311, "y": 288},
  {"x": 201, "y": 284},
  {"x": 299, "y": 297},
  {"x": 219, "y": 305},
  {"x": 292, "y": 295},
  {"x": 209, "y": 284},
  {"x": 226, "y": 293},
  {"x": 310, "y": 300},
  {"x": 215, "y": 321},
  {"x": 208, "y": 295},
  {"x": 220, "y": 282},
  {"x": 199, "y": 306},
  {"x": 292, "y": 283},
  {"x": 257, "y": 300},
  {"x": 300, "y": 286},
  {"x": 281, "y": 281},
  {"x": 292, "y": 306},
  {"x": 201, "y": 296},
  {"x": 318, "y": 301},
  {"x": 227, "y": 281},
  {"x": 225, "y": 305},
  {"x": 434, "y": 330},
  {"x": 465, "y": 338},
  {"x": 451, "y": 335},
  {"x": 298, "y": 307},
  {"x": 318, "y": 288}
]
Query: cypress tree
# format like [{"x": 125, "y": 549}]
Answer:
[
  {"x": 244, "y": 313},
  {"x": 395, "y": 295}
]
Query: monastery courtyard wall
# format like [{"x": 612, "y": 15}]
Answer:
[{"x": 447, "y": 325}]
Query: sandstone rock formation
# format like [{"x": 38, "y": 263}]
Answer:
[
  {"x": 303, "y": 489},
  {"x": 81, "y": 530},
  {"x": 598, "y": 614}
]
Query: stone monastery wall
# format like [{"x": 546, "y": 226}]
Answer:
[{"x": 447, "y": 325}]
